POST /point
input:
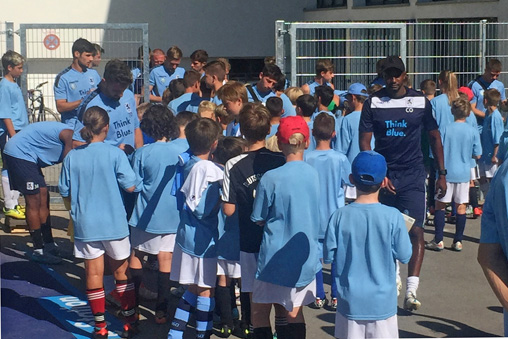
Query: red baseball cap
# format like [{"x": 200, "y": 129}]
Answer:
[
  {"x": 467, "y": 91},
  {"x": 291, "y": 125}
]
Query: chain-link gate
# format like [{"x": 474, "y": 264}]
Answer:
[
  {"x": 426, "y": 47},
  {"x": 48, "y": 50}
]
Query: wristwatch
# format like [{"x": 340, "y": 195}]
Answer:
[{"x": 442, "y": 172}]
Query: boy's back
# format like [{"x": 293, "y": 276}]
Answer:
[
  {"x": 333, "y": 169},
  {"x": 365, "y": 240},
  {"x": 493, "y": 128},
  {"x": 241, "y": 178},
  {"x": 460, "y": 142},
  {"x": 287, "y": 198}
]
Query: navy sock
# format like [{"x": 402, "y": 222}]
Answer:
[
  {"x": 223, "y": 303},
  {"x": 460, "y": 225},
  {"x": 46, "y": 233},
  {"x": 163, "y": 289},
  {"x": 263, "y": 333},
  {"x": 136, "y": 277},
  {"x": 439, "y": 223},
  {"x": 297, "y": 331},
  {"x": 37, "y": 239},
  {"x": 320, "y": 289}
]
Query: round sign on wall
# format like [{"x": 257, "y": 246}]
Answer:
[{"x": 51, "y": 42}]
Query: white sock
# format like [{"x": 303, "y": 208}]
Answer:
[
  {"x": 397, "y": 268},
  {"x": 10, "y": 196},
  {"x": 412, "y": 284}
]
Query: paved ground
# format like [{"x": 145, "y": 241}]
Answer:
[{"x": 40, "y": 301}]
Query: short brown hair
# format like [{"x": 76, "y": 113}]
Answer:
[
  {"x": 324, "y": 65},
  {"x": 201, "y": 134},
  {"x": 174, "y": 53},
  {"x": 227, "y": 148},
  {"x": 323, "y": 127},
  {"x": 190, "y": 78},
  {"x": 494, "y": 65},
  {"x": 233, "y": 91},
  {"x": 461, "y": 108},
  {"x": 254, "y": 121},
  {"x": 428, "y": 86},
  {"x": 118, "y": 71},
  {"x": 199, "y": 55},
  {"x": 216, "y": 68},
  {"x": 492, "y": 97}
]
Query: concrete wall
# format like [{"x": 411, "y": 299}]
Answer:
[
  {"x": 416, "y": 9},
  {"x": 239, "y": 28}
]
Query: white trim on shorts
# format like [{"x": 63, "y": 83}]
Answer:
[
  {"x": 289, "y": 297},
  {"x": 190, "y": 270},
  {"x": 118, "y": 249},
  {"x": 352, "y": 329},
  {"x": 249, "y": 267},
  {"x": 475, "y": 172},
  {"x": 152, "y": 243},
  {"x": 229, "y": 268},
  {"x": 458, "y": 191},
  {"x": 487, "y": 170}
]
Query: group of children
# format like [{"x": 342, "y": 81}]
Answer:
[{"x": 250, "y": 186}]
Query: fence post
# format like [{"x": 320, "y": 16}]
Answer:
[
  {"x": 9, "y": 34},
  {"x": 146, "y": 65},
  {"x": 23, "y": 52},
  {"x": 279, "y": 45},
  {"x": 483, "y": 45}
]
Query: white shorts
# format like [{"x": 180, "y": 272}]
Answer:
[
  {"x": 289, "y": 297},
  {"x": 152, "y": 243},
  {"x": 352, "y": 329},
  {"x": 117, "y": 249},
  {"x": 249, "y": 267},
  {"x": 229, "y": 268},
  {"x": 190, "y": 270},
  {"x": 487, "y": 170},
  {"x": 458, "y": 191},
  {"x": 350, "y": 192},
  {"x": 475, "y": 172}
]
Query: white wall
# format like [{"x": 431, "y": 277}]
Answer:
[{"x": 238, "y": 28}]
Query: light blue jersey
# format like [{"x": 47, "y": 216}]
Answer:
[
  {"x": 12, "y": 106},
  {"x": 313, "y": 84},
  {"x": 442, "y": 111},
  {"x": 273, "y": 130},
  {"x": 185, "y": 102},
  {"x": 287, "y": 199},
  {"x": 333, "y": 169},
  {"x": 38, "y": 143},
  {"x": 493, "y": 127},
  {"x": 155, "y": 167},
  {"x": 197, "y": 232},
  {"x": 289, "y": 109},
  {"x": 348, "y": 136},
  {"x": 460, "y": 143},
  {"x": 72, "y": 85},
  {"x": 123, "y": 117},
  {"x": 228, "y": 244},
  {"x": 502, "y": 151},
  {"x": 495, "y": 211},
  {"x": 478, "y": 91},
  {"x": 92, "y": 176},
  {"x": 364, "y": 240},
  {"x": 160, "y": 77},
  {"x": 215, "y": 99}
]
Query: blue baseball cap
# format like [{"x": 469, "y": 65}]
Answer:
[
  {"x": 369, "y": 168},
  {"x": 357, "y": 89}
]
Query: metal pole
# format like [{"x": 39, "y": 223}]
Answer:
[
  {"x": 146, "y": 65},
  {"x": 23, "y": 51},
  {"x": 9, "y": 28},
  {"x": 483, "y": 46},
  {"x": 292, "y": 39},
  {"x": 279, "y": 45}
]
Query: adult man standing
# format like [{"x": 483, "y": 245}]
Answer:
[
  {"x": 215, "y": 73},
  {"x": 114, "y": 97},
  {"x": 76, "y": 81},
  {"x": 395, "y": 116},
  {"x": 161, "y": 76},
  {"x": 479, "y": 85}
]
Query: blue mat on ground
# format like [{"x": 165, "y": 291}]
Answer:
[{"x": 37, "y": 302}]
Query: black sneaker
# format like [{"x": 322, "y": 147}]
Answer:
[
  {"x": 100, "y": 334},
  {"x": 45, "y": 258},
  {"x": 129, "y": 330},
  {"x": 224, "y": 331}
]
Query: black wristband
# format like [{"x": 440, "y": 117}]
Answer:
[{"x": 442, "y": 172}]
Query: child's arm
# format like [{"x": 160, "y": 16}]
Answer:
[
  {"x": 124, "y": 174},
  {"x": 402, "y": 248},
  {"x": 64, "y": 182},
  {"x": 262, "y": 204},
  {"x": 330, "y": 242},
  {"x": 9, "y": 126}
]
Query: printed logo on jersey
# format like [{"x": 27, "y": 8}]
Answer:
[
  {"x": 395, "y": 128},
  {"x": 123, "y": 128},
  {"x": 162, "y": 79},
  {"x": 31, "y": 186},
  {"x": 73, "y": 85},
  {"x": 128, "y": 109},
  {"x": 409, "y": 104},
  {"x": 92, "y": 82}
]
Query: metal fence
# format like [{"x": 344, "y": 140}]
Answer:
[
  {"x": 6, "y": 39},
  {"x": 427, "y": 48}
]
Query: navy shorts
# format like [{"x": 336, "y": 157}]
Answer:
[
  {"x": 410, "y": 198},
  {"x": 24, "y": 176}
]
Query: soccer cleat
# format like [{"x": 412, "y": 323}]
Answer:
[
  {"x": 100, "y": 334},
  {"x": 457, "y": 246},
  {"x": 477, "y": 211},
  {"x": 45, "y": 258},
  {"x": 146, "y": 294},
  {"x": 333, "y": 304},
  {"x": 58, "y": 252},
  {"x": 160, "y": 317},
  {"x": 224, "y": 331},
  {"x": 319, "y": 303},
  {"x": 129, "y": 330},
  {"x": 469, "y": 210},
  {"x": 14, "y": 213},
  {"x": 20, "y": 208},
  {"x": 434, "y": 246},
  {"x": 411, "y": 303}
]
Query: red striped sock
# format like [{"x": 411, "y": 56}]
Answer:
[
  {"x": 126, "y": 292},
  {"x": 97, "y": 301}
]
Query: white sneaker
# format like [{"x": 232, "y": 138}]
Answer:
[
  {"x": 457, "y": 246},
  {"x": 434, "y": 246},
  {"x": 399, "y": 287},
  {"x": 411, "y": 303}
]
